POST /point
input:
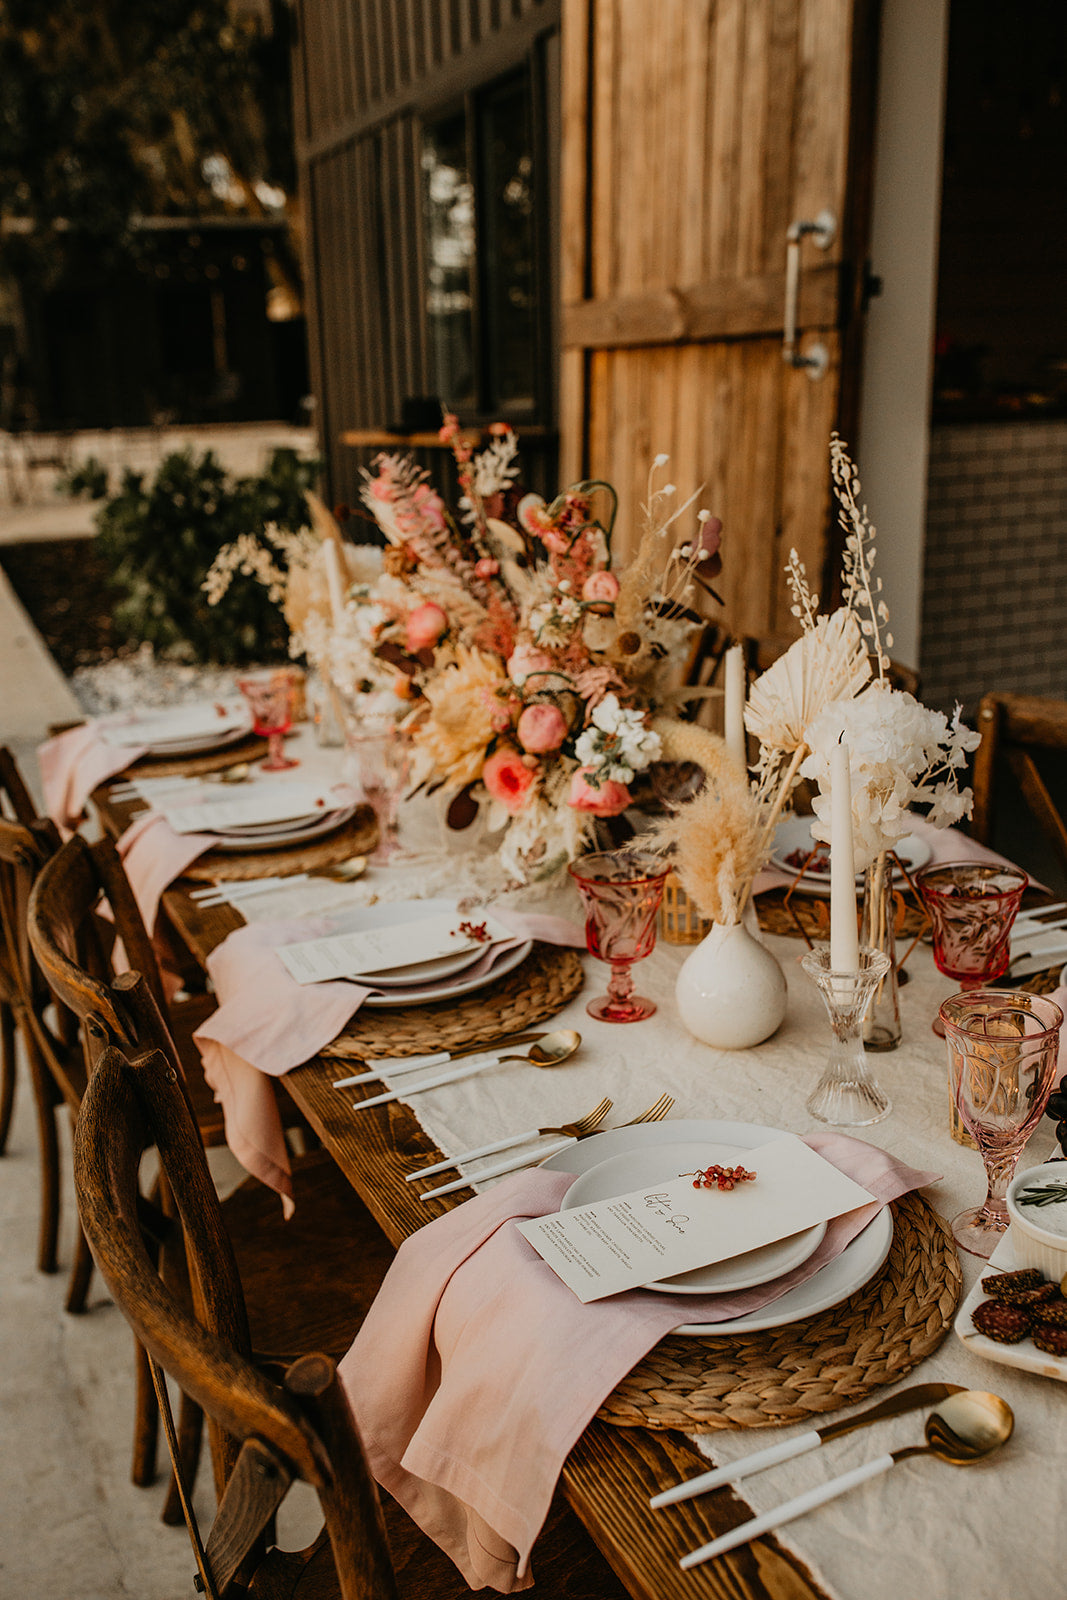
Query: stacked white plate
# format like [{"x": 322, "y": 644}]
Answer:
[
  {"x": 180, "y": 730},
  {"x": 250, "y": 837},
  {"x": 624, "y": 1159}
]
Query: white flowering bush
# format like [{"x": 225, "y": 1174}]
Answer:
[{"x": 901, "y": 755}]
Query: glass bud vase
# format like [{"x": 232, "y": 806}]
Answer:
[{"x": 881, "y": 1024}]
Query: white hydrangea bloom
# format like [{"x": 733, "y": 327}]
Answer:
[{"x": 618, "y": 742}]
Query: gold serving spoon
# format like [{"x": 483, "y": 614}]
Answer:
[
  {"x": 552, "y": 1051},
  {"x": 342, "y": 871},
  {"x": 961, "y": 1430}
]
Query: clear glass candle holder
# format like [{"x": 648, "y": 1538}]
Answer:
[{"x": 847, "y": 1095}]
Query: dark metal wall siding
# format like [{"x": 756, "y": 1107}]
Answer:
[{"x": 360, "y": 69}]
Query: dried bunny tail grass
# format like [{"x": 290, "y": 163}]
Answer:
[
  {"x": 685, "y": 741},
  {"x": 716, "y": 843}
]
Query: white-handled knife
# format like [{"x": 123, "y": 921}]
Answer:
[
  {"x": 500, "y": 1168},
  {"x": 468, "y": 1071}
]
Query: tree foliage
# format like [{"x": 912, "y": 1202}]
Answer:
[{"x": 113, "y": 110}]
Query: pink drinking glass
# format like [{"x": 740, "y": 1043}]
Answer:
[
  {"x": 270, "y": 695},
  {"x": 972, "y": 906},
  {"x": 1002, "y": 1052},
  {"x": 621, "y": 891}
]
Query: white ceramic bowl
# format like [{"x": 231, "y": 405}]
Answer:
[{"x": 1036, "y": 1245}]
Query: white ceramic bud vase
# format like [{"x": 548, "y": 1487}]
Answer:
[{"x": 731, "y": 992}]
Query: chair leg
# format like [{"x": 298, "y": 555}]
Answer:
[
  {"x": 46, "y": 1102},
  {"x": 81, "y": 1274},
  {"x": 7, "y": 1071},
  {"x": 146, "y": 1424},
  {"x": 190, "y": 1436}
]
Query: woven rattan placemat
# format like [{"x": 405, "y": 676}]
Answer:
[
  {"x": 356, "y": 837},
  {"x": 805, "y": 1369},
  {"x": 537, "y": 989},
  {"x": 250, "y": 749}
]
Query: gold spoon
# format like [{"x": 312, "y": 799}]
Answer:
[
  {"x": 240, "y": 772},
  {"x": 961, "y": 1430},
  {"x": 552, "y": 1051},
  {"x": 342, "y": 871}
]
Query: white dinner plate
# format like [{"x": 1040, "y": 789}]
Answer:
[
  {"x": 794, "y": 834},
  {"x": 180, "y": 730},
  {"x": 424, "y": 971},
  {"x": 638, "y": 1169},
  {"x": 849, "y": 1271},
  {"x": 283, "y": 834},
  {"x": 448, "y": 988}
]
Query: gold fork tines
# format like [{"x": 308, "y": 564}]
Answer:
[
  {"x": 655, "y": 1113},
  {"x": 587, "y": 1124}
]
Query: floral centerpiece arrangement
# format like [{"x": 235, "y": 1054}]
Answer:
[
  {"x": 528, "y": 672},
  {"x": 832, "y": 681}
]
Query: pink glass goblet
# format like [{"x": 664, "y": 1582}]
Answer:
[
  {"x": 270, "y": 696},
  {"x": 972, "y": 906},
  {"x": 1002, "y": 1049},
  {"x": 621, "y": 891}
]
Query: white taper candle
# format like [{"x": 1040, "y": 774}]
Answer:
[
  {"x": 734, "y": 690},
  {"x": 335, "y": 581},
  {"x": 844, "y": 937}
]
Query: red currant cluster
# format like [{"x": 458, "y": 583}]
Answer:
[{"x": 717, "y": 1177}]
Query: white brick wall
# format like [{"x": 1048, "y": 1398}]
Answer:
[{"x": 995, "y": 569}]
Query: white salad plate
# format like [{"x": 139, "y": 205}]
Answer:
[
  {"x": 794, "y": 835},
  {"x": 849, "y": 1271},
  {"x": 283, "y": 833},
  {"x": 640, "y": 1169},
  {"x": 461, "y": 982},
  {"x": 180, "y": 730},
  {"x": 424, "y": 971}
]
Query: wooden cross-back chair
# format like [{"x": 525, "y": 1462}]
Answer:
[
  {"x": 17, "y": 807},
  {"x": 332, "y": 1235},
  {"x": 1018, "y": 731},
  {"x": 269, "y": 1427}
]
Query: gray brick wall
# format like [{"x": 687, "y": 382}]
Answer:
[{"x": 995, "y": 567}]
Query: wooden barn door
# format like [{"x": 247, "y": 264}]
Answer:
[{"x": 696, "y": 134}]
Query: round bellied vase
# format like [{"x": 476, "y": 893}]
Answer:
[{"x": 731, "y": 992}]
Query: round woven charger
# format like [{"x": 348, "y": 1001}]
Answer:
[
  {"x": 250, "y": 749},
  {"x": 356, "y": 837},
  {"x": 536, "y": 989},
  {"x": 757, "y": 1380}
]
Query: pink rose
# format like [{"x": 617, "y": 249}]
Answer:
[
  {"x": 607, "y": 800},
  {"x": 486, "y": 567},
  {"x": 426, "y": 624},
  {"x": 542, "y": 727},
  {"x": 508, "y": 779},
  {"x": 601, "y": 586},
  {"x": 527, "y": 662}
]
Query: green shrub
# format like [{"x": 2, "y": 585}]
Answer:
[
  {"x": 159, "y": 539},
  {"x": 85, "y": 480}
]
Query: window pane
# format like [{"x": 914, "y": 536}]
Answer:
[
  {"x": 508, "y": 244},
  {"x": 449, "y": 201}
]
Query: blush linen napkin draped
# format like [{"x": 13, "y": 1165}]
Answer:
[
  {"x": 476, "y": 1369},
  {"x": 267, "y": 1023},
  {"x": 73, "y": 764}
]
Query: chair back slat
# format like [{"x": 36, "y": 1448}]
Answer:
[{"x": 1016, "y": 730}]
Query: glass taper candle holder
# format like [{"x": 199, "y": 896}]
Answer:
[{"x": 847, "y": 1094}]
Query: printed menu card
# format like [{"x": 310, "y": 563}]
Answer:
[
  {"x": 262, "y": 804},
  {"x": 403, "y": 944},
  {"x": 670, "y": 1227}
]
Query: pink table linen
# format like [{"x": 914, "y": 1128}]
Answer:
[
  {"x": 72, "y": 765},
  {"x": 476, "y": 1369},
  {"x": 266, "y": 1024}
]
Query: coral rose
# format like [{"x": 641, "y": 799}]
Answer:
[
  {"x": 508, "y": 779},
  {"x": 601, "y": 586},
  {"x": 542, "y": 727},
  {"x": 605, "y": 800},
  {"x": 486, "y": 567},
  {"x": 426, "y": 624}
]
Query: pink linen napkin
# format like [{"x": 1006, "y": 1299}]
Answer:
[
  {"x": 267, "y": 1023},
  {"x": 73, "y": 764},
  {"x": 154, "y": 855},
  {"x": 476, "y": 1369}
]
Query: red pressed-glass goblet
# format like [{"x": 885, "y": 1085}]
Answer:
[
  {"x": 621, "y": 891},
  {"x": 270, "y": 697},
  {"x": 972, "y": 906}
]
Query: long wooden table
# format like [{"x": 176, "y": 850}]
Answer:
[{"x": 612, "y": 1472}]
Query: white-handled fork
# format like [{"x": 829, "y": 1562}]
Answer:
[
  {"x": 590, "y": 1123},
  {"x": 655, "y": 1113}
]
